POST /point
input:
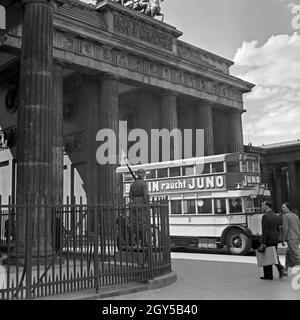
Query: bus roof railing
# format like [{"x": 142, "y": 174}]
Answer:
[{"x": 185, "y": 162}]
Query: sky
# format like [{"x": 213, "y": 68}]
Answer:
[{"x": 262, "y": 37}]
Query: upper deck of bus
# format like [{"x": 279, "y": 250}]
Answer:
[{"x": 230, "y": 163}]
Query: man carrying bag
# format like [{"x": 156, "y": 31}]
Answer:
[{"x": 270, "y": 238}]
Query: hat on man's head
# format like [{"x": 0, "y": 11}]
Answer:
[{"x": 141, "y": 172}]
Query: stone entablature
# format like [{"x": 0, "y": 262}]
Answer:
[
  {"x": 216, "y": 87},
  {"x": 202, "y": 57}
]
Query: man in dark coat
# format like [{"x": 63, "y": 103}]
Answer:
[
  {"x": 271, "y": 224},
  {"x": 139, "y": 198},
  {"x": 138, "y": 192}
]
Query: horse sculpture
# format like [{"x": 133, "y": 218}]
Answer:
[
  {"x": 150, "y": 8},
  {"x": 154, "y": 9}
]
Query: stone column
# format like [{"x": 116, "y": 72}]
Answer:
[
  {"x": 206, "y": 122},
  {"x": 109, "y": 119},
  {"x": 236, "y": 131},
  {"x": 88, "y": 91},
  {"x": 34, "y": 148},
  {"x": 169, "y": 118},
  {"x": 292, "y": 191},
  {"x": 57, "y": 134}
]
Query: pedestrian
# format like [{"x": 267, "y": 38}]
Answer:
[
  {"x": 138, "y": 192},
  {"x": 139, "y": 198},
  {"x": 271, "y": 223},
  {"x": 291, "y": 234}
]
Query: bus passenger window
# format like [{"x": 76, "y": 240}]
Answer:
[
  {"x": 217, "y": 167},
  {"x": 176, "y": 207},
  {"x": 175, "y": 172},
  {"x": 189, "y": 206},
  {"x": 204, "y": 206},
  {"x": 220, "y": 206},
  {"x": 232, "y": 167},
  {"x": 127, "y": 177},
  {"x": 206, "y": 168},
  {"x": 162, "y": 173},
  {"x": 235, "y": 205},
  {"x": 188, "y": 171},
  {"x": 150, "y": 174}
]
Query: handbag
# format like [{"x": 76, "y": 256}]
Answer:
[{"x": 267, "y": 258}]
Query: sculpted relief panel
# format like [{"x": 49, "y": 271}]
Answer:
[
  {"x": 143, "y": 65},
  {"x": 142, "y": 31}
]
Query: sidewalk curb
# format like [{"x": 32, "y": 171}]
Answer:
[{"x": 117, "y": 290}]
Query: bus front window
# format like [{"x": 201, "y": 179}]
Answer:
[
  {"x": 250, "y": 205},
  {"x": 243, "y": 166}
]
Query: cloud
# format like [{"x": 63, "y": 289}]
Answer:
[{"x": 274, "y": 104}]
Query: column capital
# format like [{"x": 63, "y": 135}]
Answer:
[
  {"x": 169, "y": 93},
  {"x": 51, "y": 3},
  {"x": 108, "y": 76},
  {"x": 60, "y": 63},
  {"x": 204, "y": 103},
  {"x": 237, "y": 111}
]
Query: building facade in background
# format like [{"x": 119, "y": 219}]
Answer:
[{"x": 280, "y": 167}]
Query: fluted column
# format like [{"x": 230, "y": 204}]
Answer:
[
  {"x": 169, "y": 116},
  {"x": 236, "y": 131},
  {"x": 109, "y": 119},
  {"x": 88, "y": 91},
  {"x": 34, "y": 149},
  {"x": 206, "y": 122},
  {"x": 57, "y": 134}
]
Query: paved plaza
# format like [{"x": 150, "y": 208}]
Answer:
[{"x": 218, "y": 277}]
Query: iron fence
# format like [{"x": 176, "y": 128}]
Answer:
[{"x": 50, "y": 250}]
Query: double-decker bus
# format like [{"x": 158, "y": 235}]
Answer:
[{"x": 215, "y": 208}]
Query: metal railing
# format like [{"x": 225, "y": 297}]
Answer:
[{"x": 50, "y": 250}]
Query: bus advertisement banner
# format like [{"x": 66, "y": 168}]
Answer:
[
  {"x": 216, "y": 182},
  {"x": 206, "y": 183}
]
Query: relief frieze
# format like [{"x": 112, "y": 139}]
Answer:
[
  {"x": 140, "y": 30},
  {"x": 143, "y": 65},
  {"x": 69, "y": 44},
  {"x": 87, "y": 49}
]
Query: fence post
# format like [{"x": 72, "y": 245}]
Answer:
[
  {"x": 96, "y": 256},
  {"x": 28, "y": 250}
]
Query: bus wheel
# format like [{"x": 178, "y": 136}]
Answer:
[{"x": 238, "y": 242}]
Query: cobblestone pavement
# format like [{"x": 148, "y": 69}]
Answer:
[{"x": 224, "y": 278}]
